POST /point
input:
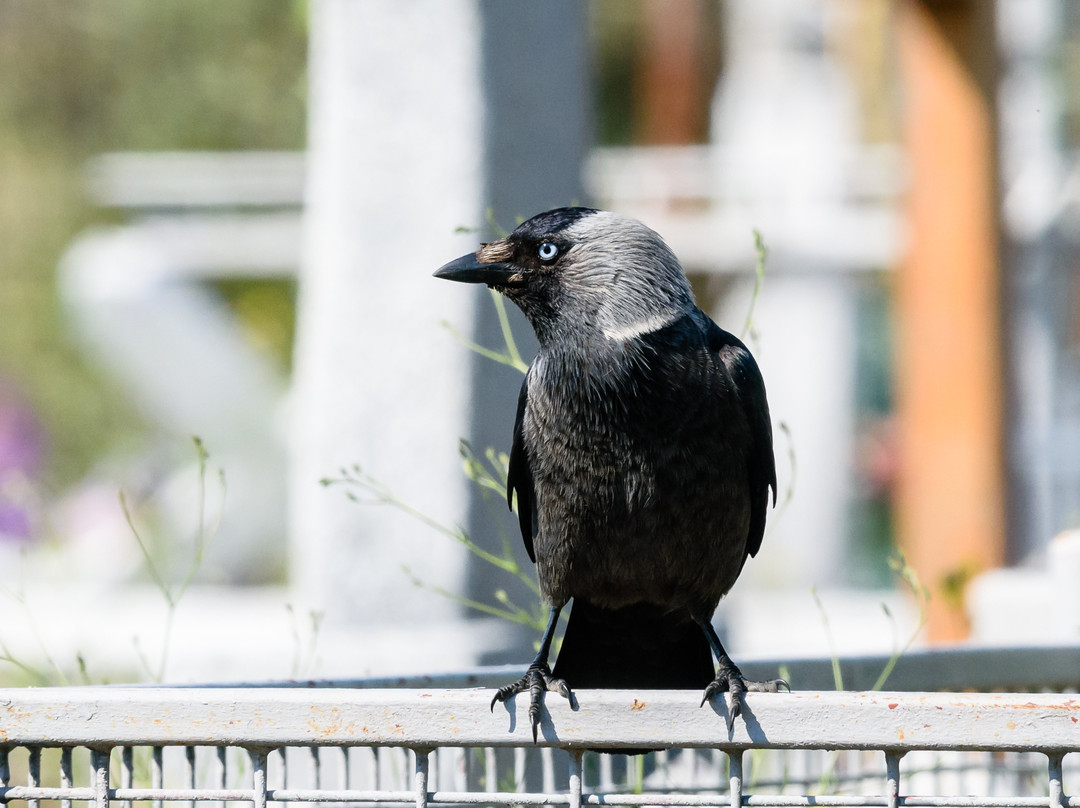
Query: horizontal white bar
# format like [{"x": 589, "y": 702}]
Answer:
[
  {"x": 510, "y": 798},
  {"x": 974, "y": 802},
  {"x": 113, "y": 716},
  {"x": 311, "y": 795},
  {"x": 196, "y": 179},
  {"x": 695, "y": 800},
  {"x": 40, "y": 793},
  {"x": 433, "y": 797}
]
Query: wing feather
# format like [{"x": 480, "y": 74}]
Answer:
[
  {"x": 750, "y": 387},
  {"x": 519, "y": 478}
]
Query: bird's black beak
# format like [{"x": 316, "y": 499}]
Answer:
[{"x": 469, "y": 269}]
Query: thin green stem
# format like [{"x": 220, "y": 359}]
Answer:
[
  {"x": 384, "y": 496},
  {"x": 759, "y": 278},
  {"x": 908, "y": 576},
  {"x": 487, "y": 353},
  {"x": 838, "y": 676},
  {"x": 172, "y": 595},
  {"x": 11, "y": 660},
  {"x": 151, "y": 567},
  {"x": 507, "y": 333},
  {"x": 514, "y": 614}
]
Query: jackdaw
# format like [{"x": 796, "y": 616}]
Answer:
[{"x": 642, "y": 458}]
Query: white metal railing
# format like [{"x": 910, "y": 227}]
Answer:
[{"x": 446, "y": 747}]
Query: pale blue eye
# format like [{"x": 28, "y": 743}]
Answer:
[{"x": 547, "y": 251}]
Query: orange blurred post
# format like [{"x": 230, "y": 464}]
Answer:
[{"x": 951, "y": 510}]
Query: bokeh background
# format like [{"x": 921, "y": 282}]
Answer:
[{"x": 231, "y": 396}]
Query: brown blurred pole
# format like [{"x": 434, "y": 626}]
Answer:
[
  {"x": 671, "y": 84},
  {"x": 951, "y": 510}
]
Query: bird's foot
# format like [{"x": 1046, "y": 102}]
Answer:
[
  {"x": 729, "y": 679},
  {"x": 536, "y": 680}
]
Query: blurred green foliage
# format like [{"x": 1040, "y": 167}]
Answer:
[
  {"x": 267, "y": 311},
  {"x": 616, "y": 31},
  {"x": 82, "y": 77},
  {"x": 99, "y": 75}
]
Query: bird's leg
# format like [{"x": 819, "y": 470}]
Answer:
[
  {"x": 537, "y": 678},
  {"x": 729, "y": 678}
]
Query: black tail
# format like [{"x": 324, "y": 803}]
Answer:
[{"x": 635, "y": 647}]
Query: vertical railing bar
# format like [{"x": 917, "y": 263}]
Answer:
[
  {"x": 223, "y": 770},
  {"x": 126, "y": 766},
  {"x": 449, "y": 763},
  {"x": 5, "y": 768},
  {"x": 316, "y": 766},
  {"x": 938, "y": 776},
  {"x": 547, "y": 766},
  {"x": 433, "y": 770},
  {"x": 606, "y": 781},
  {"x": 735, "y": 778},
  {"x": 519, "y": 769},
  {"x": 892, "y": 778},
  {"x": 491, "y": 771},
  {"x": 298, "y": 770},
  {"x": 189, "y": 757},
  {"x": 662, "y": 767},
  {"x": 33, "y": 773},
  {"x": 1054, "y": 774},
  {"x": 346, "y": 783},
  {"x": 278, "y": 754},
  {"x": 287, "y": 780},
  {"x": 284, "y": 753},
  {"x": 157, "y": 771},
  {"x": 420, "y": 777},
  {"x": 575, "y": 778},
  {"x": 258, "y": 758},
  {"x": 471, "y": 758},
  {"x": 773, "y": 768},
  {"x": 66, "y": 780},
  {"x": 99, "y": 760},
  {"x": 461, "y": 770}
]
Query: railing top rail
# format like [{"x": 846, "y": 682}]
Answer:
[{"x": 115, "y": 716}]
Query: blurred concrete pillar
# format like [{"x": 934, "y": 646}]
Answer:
[
  {"x": 396, "y": 134},
  {"x": 951, "y": 510},
  {"x": 536, "y": 135},
  {"x": 785, "y": 107}
]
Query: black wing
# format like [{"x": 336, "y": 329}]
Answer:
[
  {"x": 519, "y": 477},
  {"x": 751, "y": 389}
]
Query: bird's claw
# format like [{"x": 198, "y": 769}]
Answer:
[
  {"x": 536, "y": 680},
  {"x": 732, "y": 682},
  {"x": 769, "y": 686}
]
